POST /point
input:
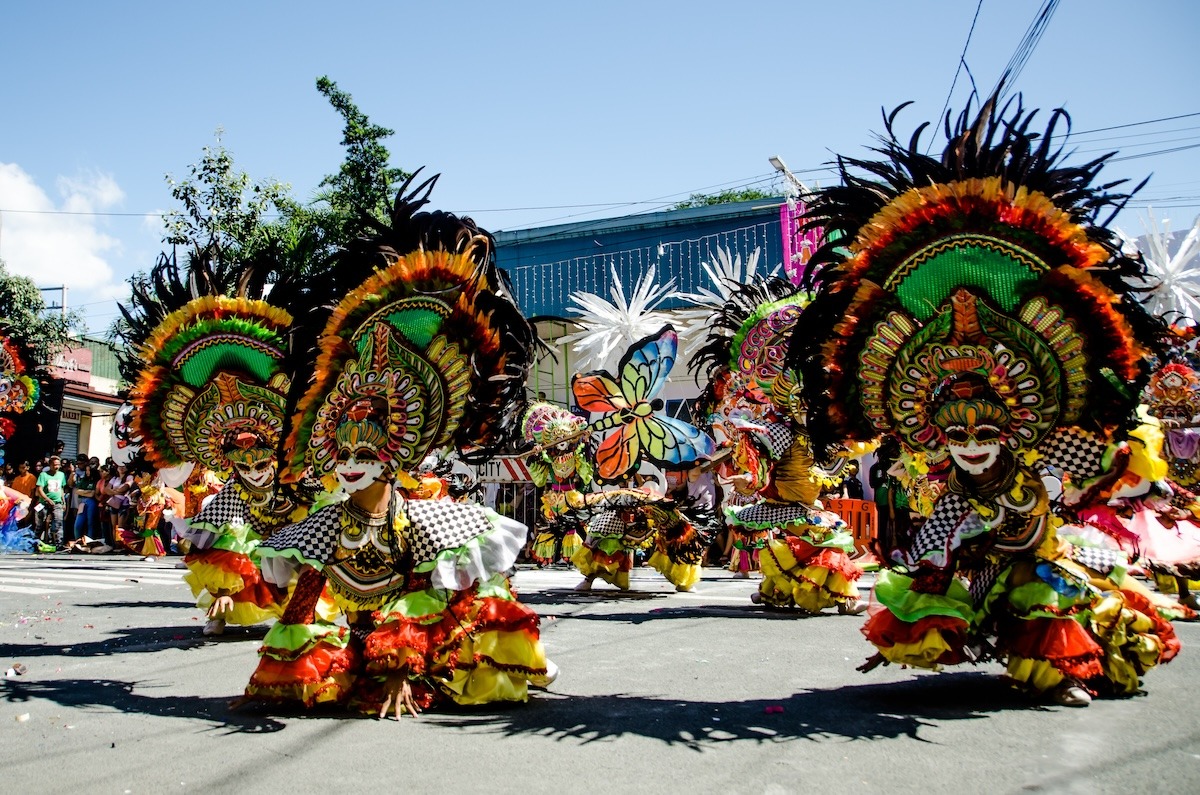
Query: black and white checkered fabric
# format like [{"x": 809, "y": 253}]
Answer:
[
  {"x": 982, "y": 581},
  {"x": 1097, "y": 559},
  {"x": 315, "y": 537},
  {"x": 1075, "y": 451},
  {"x": 933, "y": 539},
  {"x": 438, "y": 525},
  {"x": 778, "y": 438},
  {"x": 606, "y": 524},
  {"x": 225, "y": 508},
  {"x": 769, "y": 515}
]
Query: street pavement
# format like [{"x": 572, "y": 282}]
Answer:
[{"x": 659, "y": 692}]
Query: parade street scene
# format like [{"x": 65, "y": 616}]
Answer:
[{"x": 468, "y": 409}]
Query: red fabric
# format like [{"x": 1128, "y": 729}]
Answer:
[
  {"x": 394, "y": 642},
  {"x": 255, "y": 589},
  {"x": 885, "y": 630},
  {"x": 284, "y": 680},
  {"x": 1062, "y": 642},
  {"x": 305, "y": 596},
  {"x": 621, "y": 558}
]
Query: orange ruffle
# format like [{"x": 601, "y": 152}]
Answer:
[
  {"x": 1062, "y": 642},
  {"x": 884, "y": 630},
  {"x": 323, "y": 673},
  {"x": 1163, "y": 629},
  {"x": 255, "y": 589},
  {"x": 404, "y": 643}
]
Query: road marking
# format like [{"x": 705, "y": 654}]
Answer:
[
  {"x": 104, "y": 586},
  {"x": 33, "y": 591}
]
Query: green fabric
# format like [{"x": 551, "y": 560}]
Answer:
[
  {"x": 294, "y": 554},
  {"x": 426, "y": 606},
  {"x": 296, "y": 638},
  {"x": 46, "y": 479},
  {"x": 894, "y": 591},
  {"x": 199, "y": 367},
  {"x": 925, "y": 280}
]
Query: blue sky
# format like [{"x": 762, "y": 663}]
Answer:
[{"x": 533, "y": 112}]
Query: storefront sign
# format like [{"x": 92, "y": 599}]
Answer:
[
  {"x": 69, "y": 415},
  {"x": 73, "y": 364}
]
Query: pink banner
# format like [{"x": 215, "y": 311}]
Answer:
[{"x": 798, "y": 243}]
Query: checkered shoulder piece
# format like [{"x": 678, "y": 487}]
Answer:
[
  {"x": 314, "y": 537},
  {"x": 438, "y": 525},
  {"x": 1075, "y": 451},
  {"x": 767, "y": 516},
  {"x": 1097, "y": 559},
  {"x": 777, "y": 438},
  {"x": 606, "y": 524},
  {"x": 953, "y": 520},
  {"x": 227, "y": 507}
]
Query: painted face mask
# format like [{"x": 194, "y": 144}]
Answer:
[
  {"x": 974, "y": 436},
  {"x": 355, "y": 475}
]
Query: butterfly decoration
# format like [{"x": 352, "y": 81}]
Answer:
[{"x": 633, "y": 423}]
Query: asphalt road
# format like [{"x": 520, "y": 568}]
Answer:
[{"x": 659, "y": 692}]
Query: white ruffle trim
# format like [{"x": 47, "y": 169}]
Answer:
[
  {"x": 278, "y": 569},
  {"x": 482, "y": 557}
]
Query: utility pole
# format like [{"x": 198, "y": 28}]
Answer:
[{"x": 62, "y": 291}]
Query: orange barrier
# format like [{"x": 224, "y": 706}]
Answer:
[{"x": 863, "y": 519}]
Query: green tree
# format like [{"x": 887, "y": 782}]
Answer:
[
  {"x": 724, "y": 197},
  {"x": 23, "y": 312},
  {"x": 365, "y": 182},
  {"x": 224, "y": 214}
]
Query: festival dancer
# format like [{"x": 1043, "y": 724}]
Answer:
[
  {"x": 211, "y": 390},
  {"x": 969, "y": 306},
  {"x": 560, "y": 468},
  {"x": 806, "y": 560},
  {"x": 140, "y": 535},
  {"x": 428, "y": 352},
  {"x": 636, "y": 433}
]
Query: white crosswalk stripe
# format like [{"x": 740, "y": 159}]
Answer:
[{"x": 50, "y": 574}]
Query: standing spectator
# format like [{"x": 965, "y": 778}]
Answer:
[
  {"x": 117, "y": 491},
  {"x": 24, "y": 482},
  {"x": 51, "y": 491},
  {"x": 87, "y": 509}
]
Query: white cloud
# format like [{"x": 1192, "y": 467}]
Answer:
[{"x": 49, "y": 245}]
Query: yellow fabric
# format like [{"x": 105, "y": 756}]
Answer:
[
  {"x": 923, "y": 654},
  {"x": 812, "y": 588},
  {"x": 203, "y": 577},
  {"x": 516, "y": 653},
  {"x": 243, "y": 613},
  {"x": 1129, "y": 645},
  {"x": 588, "y": 566},
  {"x": 1037, "y": 675},
  {"x": 682, "y": 575},
  {"x": 1145, "y": 446}
]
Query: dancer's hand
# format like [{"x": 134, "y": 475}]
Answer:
[
  {"x": 873, "y": 662},
  {"x": 399, "y": 697},
  {"x": 220, "y": 606}
]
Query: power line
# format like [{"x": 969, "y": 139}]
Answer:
[
  {"x": 962, "y": 61},
  {"x": 1020, "y": 57}
]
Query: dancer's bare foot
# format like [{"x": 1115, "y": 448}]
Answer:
[{"x": 873, "y": 662}]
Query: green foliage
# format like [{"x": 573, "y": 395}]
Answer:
[
  {"x": 23, "y": 311},
  {"x": 724, "y": 197},
  {"x": 224, "y": 214},
  {"x": 365, "y": 183}
]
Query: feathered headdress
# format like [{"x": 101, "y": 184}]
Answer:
[
  {"x": 211, "y": 384},
  {"x": 429, "y": 351},
  {"x": 984, "y": 274},
  {"x": 20, "y": 388}
]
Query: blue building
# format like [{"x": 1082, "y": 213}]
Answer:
[{"x": 548, "y": 264}]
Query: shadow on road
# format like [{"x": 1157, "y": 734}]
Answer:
[
  {"x": 860, "y": 712},
  {"x": 171, "y": 604},
  {"x": 135, "y": 640},
  {"x": 120, "y": 696},
  {"x": 701, "y": 611}
]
